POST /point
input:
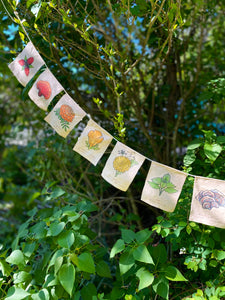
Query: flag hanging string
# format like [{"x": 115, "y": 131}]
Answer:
[{"x": 88, "y": 115}]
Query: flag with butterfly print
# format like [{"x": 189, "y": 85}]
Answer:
[
  {"x": 208, "y": 202},
  {"x": 122, "y": 166},
  {"x": 65, "y": 115},
  {"x": 26, "y": 64},
  {"x": 93, "y": 142},
  {"x": 45, "y": 88}
]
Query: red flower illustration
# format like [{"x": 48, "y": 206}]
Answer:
[{"x": 26, "y": 63}]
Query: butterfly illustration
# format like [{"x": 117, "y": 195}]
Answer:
[{"x": 26, "y": 63}]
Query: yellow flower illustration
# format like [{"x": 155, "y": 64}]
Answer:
[{"x": 121, "y": 164}]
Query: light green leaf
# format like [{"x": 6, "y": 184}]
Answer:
[
  {"x": 85, "y": 263},
  {"x": 16, "y": 258},
  {"x": 161, "y": 287},
  {"x": 42, "y": 295},
  {"x": 128, "y": 235},
  {"x": 142, "y": 236},
  {"x": 50, "y": 280},
  {"x": 174, "y": 274},
  {"x": 142, "y": 254},
  {"x": 194, "y": 144},
  {"x": 66, "y": 239},
  {"x": 56, "y": 228},
  {"x": 170, "y": 190},
  {"x": 156, "y": 180},
  {"x": 15, "y": 293},
  {"x": 154, "y": 185},
  {"x": 166, "y": 178},
  {"x": 103, "y": 269},
  {"x": 212, "y": 151},
  {"x": 67, "y": 277},
  {"x": 5, "y": 268},
  {"x": 146, "y": 278},
  {"x": 189, "y": 158},
  {"x": 118, "y": 247},
  {"x": 58, "y": 263},
  {"x": 126, "y": 262},
  {"x": 21, "y": 277},
  {"x": 57, "y": 254}
]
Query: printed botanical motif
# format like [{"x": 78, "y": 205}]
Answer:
[
  {"x": 66, "y": 115},
  {"x": 163, "y": 184},
  {"x": 26, "y": 64},
  {"x": 124, "y": 162},
  {"x": 94, "y": 139},
  {"x": 211, "y": 198},
  {"x": 44, "y": 89}
]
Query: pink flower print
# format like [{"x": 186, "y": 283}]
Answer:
[{"x": 26, "y": 64}]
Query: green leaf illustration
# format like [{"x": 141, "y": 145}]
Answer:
[{"x": 163, "y": 184}]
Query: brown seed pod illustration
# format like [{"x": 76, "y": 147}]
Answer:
[
  {"x": 94, "y": 137},
  {"x": 66, "y": 112},
  {"x": 44, "y": 89}
]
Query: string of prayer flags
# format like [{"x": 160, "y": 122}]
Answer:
[
  {"x": 163, "y": 186},
  {"x": 208, "y": 202},
  {"x": 65, "y": 115},
  {"x": 122, "y": 166},
  {"x": 45, "y": 88},
  {"x": 26, "y": 64},
  {"x": 93, "y": 142}
]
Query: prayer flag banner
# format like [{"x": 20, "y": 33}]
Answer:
[
  {"x": 163, "y": 186},
  {"x": 26, "y": 64},
  {"x": 93, "y": 142},
  {"x": 208, "y": 202},
  {"x": 45, "y": 88},
  {"x": 65, "y": 115},
  {"x": 122, "y": 166}
]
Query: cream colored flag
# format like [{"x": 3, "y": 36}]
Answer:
[
  {"x": 93, "y": 142},
  {"x": 65, "y": 115},
  {"x": 26, "y": 64},
  {"x": 45, "y": 88},
  {"x": 208, "y": 202},
  {"x": 122, "y": 166},
  {"x": 163, "y": 186}
]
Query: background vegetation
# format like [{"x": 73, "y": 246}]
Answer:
[{"x": 152, "y": 74}]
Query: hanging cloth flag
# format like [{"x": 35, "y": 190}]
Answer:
[
  {"x": 45, "y": 88},
  {"x": 122, "y": 166},
  {"x": 93, "y": 142},
  {"x": 26, "y": 64},
  {"x": 208, "y": 202},
  {"x": 163, "y": 186},
  {"x": 65, "y": 115}
]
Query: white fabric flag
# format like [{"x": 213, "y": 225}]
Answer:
[
  {"x": 122, "y": 166},
  {"x": 208, "y": 202},
  {"x": 93, "y": 142},
  {"x": 65, "y": 115},
  {"x": 45, "y": 88},
  {"x": 163, "y": 186},
  {"x": 26, "y": 64}
]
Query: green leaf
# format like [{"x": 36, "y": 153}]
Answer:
[
  {"x": 154, "y": 185},
  {"x": 58, "y": 263},
  {"x": 194, "y": 144},
  {"x": 142, "y": 254},
  {"x": 57, "y": 254},
  {"x": 66, "y": 239},
  {"x": 159, "y": 254},
  {"x": 85, "y": 263},
  {"x": 146, "y": 278},
  {"x": 156, "y": 180},
  {"x": 21, "y": 277},
  {"x": 189, "y": 158},
  {"x": 42, "y": 295},
  {"x": 161, "y": 287},
  {"x": 166, "y": 178},
  {"x": 170, "y": 190},
  {"x": 142, "y": 236},
  {"x": 15, "y": 293},
  {"x": 118, "y": 247},
  {"x": 56, "y": 228},
  {"x": 221, "y": 139},
  {"x": 174, "y": 274},
  {"x": 67, "y": 277},
  {"x": 219, "y": 254},
  {"x": 126, "y": 261},
  {"x": 16, "y": 258},
  {"x": 39, "y": 230},
  {"x": 5, "y": 268},
  {"x": 89, "y": 292},
  {"x": 212, "y": 151},
  {"x": 128, "y": 235},
  {"x": 103, "y": 270}
]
